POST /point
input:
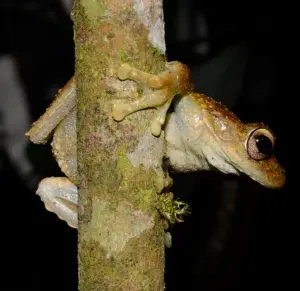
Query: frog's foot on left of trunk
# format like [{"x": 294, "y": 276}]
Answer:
[{"x": 60, "y": 196}]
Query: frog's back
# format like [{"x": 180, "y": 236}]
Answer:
[{"x": 214, "y": 107}]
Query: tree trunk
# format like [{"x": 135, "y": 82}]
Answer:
[{"x": 121, "y": 235}]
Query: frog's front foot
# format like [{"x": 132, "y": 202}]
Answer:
[
  {"x": 60, "y": 196},
  {"x": 158, "y": 91}
]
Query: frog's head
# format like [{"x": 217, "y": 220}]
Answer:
[
  {"x": 249, "y": 148},
  {"x": 232, "y": 146}
]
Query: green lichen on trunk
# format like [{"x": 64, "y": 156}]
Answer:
[{"x": 121, "y": 236}]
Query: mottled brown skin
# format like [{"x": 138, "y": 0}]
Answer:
[
  {"x": 201, "y": 134},
  {"x": 234, "y": 139}
]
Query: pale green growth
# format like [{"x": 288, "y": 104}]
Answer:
[{"x": 172, "y": 209}]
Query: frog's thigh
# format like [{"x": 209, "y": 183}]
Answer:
[{"x": 60, "y": 196}]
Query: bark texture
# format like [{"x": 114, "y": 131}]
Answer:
[{"x": 121, "y": 235}]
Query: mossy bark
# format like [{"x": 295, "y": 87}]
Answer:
[{"x": 121, "y": 235}]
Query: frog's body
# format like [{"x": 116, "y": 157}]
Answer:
[{"x": 201, "y": 134}]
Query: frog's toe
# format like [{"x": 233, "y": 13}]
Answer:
[
  {"x": 156, "y": 127},
  {"x": 119, "y": 111},
  {"x": 124, "y": 72}
]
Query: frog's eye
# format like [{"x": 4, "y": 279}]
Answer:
[{"x": 260, "y": 144}]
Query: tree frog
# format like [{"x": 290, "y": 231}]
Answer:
[{"x": 200, "y": 133}]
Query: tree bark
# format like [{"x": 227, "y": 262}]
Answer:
[{"x": 121, "y": 235}]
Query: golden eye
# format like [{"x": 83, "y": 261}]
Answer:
[{"x": 260, "y": 144}]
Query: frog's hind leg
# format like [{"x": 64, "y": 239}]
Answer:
[
  {"x": 60, "y": 196},
  {"x": 65, "y": 100}
]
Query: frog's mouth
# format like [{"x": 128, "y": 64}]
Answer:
[
  {"x": 273, "y": 177},
  {"x": 268, "y": 173}
]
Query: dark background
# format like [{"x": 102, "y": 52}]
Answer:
[{"x": 240, "y": 235}]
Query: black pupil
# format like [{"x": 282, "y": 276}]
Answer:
[{"x": 264, "y": 145}]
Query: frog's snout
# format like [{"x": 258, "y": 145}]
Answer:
[
  {"x": 273, "y": 177},
  {"x": 279, "y": 179}
]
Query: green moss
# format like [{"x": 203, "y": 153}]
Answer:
[
  {"x": 123, "y": 162},
  {"x": 110, "y": 35},
  {"x": 95, "y": 9},
  {"x": 123, "y": 56},
  {"x": 171, "y": 209},
  {"x": 148, "y": 197},
  {"x": 132, "y": 177},
  {"x": 157, "y": 53}
]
